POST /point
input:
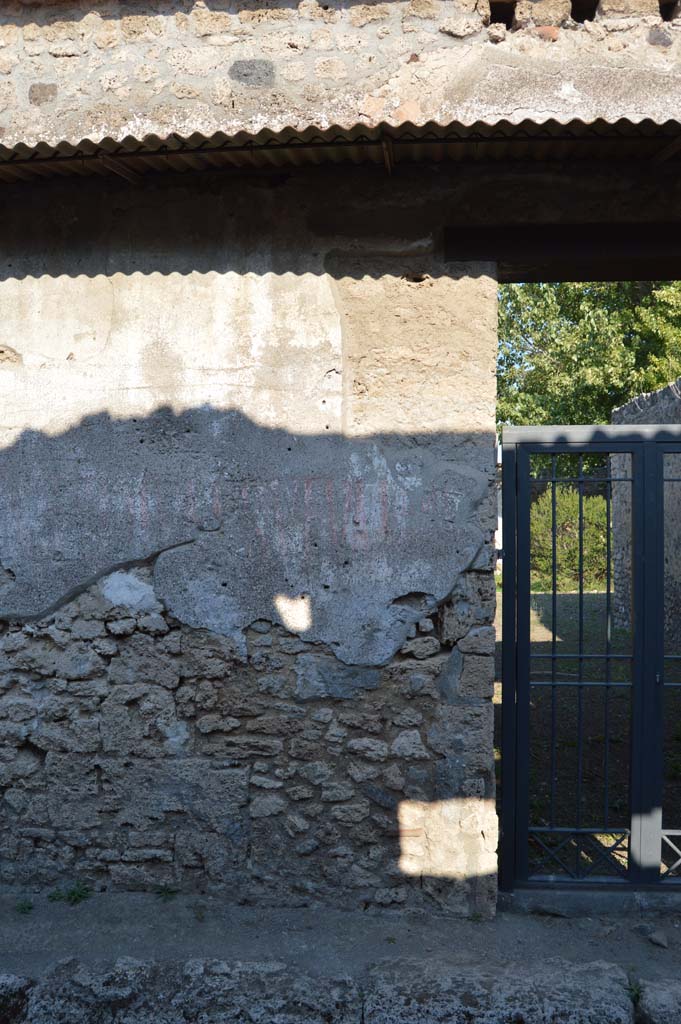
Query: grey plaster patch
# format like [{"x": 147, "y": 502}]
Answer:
[
  {"x": 276, "y": 537},
  {"x": 320, "y": 676},
  {"x": 340, "y": 520},
  {"x": 40, "y": 93},
  {"x": 352, "y": 563}
]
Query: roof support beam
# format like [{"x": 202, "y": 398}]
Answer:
[
  {"x": 571, "y": 252},
  {"x": 112, "y": 164},
  {"x": 670, "y": 150}
]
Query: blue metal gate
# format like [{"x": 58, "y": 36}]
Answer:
[{"x": 591, "y": 662}]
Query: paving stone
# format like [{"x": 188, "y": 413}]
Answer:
[
  {"x": 551, "y": 993},
  {"x": 270, "y": 992},
  {"x": 660, "y": 1002}
]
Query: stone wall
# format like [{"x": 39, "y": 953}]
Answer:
[
  {"x": 661, "y": 406},
  {"x": 246, "y": 543},
  {"x": 72, "y": 69}
]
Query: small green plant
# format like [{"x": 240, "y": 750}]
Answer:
[
  {"x": 23, "y": 906},
  {"x": 634, "y": 990},
  {"x": 78, "y": 892},
  {"x": 391, "y": 939},
  {"x": 166, "y": 893}
]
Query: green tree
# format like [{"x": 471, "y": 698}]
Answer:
[
  {"x": 571, "y": 353},
  {"x": 593, "y": 552}
]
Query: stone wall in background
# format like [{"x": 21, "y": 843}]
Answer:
[
  {"x": 662, "y": 406},
  {"x": 246, "y": 553},
  {"x": 94, "y": 68}
]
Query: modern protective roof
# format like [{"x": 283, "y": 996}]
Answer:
[{"x": 645, "y": 141}]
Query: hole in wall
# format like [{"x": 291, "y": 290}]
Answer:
[
  {"x": 668, "y": 10},
  {"x": 501, "y": 13},
  {"x": 583, "y": 10}
]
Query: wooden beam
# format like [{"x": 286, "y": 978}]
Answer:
[
  {"x": 571, "y": 252},
  {"x": 113, "y": 164},
  {"x": 667, "y": 151}
]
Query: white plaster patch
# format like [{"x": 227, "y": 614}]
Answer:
[
  {"x": 126, "y": 590},
  {"x": 295, "y": 612},
  {"x": 568, "y": 92}
]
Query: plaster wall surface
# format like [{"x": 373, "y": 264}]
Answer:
[
  {"x": 76, "y": 69},
  {"x": 246, "y": 546}
]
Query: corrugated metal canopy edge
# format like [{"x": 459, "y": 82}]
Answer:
[{"x": 546, "y": 141}]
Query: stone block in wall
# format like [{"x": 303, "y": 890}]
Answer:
[
  {"x": 472, "y": 604},
  {"x": 480, "y": 640},
  {"x": 464, "y": 731},
  {"x": 449, "y": 677},
  {"x": 477, "y": 676},
  {"x": 628, "y": 8},
  {"x": 428, "y": 9},
  {"x": 364, "y": 14},
  {"x": 135, "y": 27},
  {"x": 319, "y": 676},
  {"x": 459, "y": 26},
  {"x": 541, "y": 12}
]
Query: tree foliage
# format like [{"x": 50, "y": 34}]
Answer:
[
  {"x": 592, "y": 557},
  {"x": 571, "y": 353}
]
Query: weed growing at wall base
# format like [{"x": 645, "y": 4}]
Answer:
[{"x": 73, "y": 896}]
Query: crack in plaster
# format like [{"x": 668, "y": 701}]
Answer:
[{"x": 70, "y": 595}]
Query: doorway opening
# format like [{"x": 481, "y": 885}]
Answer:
[{"x": 588, "y": 743}]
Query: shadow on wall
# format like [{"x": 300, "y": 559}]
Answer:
[
  {"x": 247, "y": 682},
  {"x": 280, "y": 224},
  {"x": 346, "y": 541}
]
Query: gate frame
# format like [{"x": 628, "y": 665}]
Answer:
[{"x": 647, "y": 445}]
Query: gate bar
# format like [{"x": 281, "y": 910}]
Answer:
[{"x": 508, "y": 691}]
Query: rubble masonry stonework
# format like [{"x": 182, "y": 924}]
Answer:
[{"x": 76, "y": 69}]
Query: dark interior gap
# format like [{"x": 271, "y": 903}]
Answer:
[
  {"x": 583, "y": 10},
  {"x": 501, "y": 12}
]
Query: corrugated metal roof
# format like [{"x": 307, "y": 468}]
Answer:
[{"x": 549, "y": 141}]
